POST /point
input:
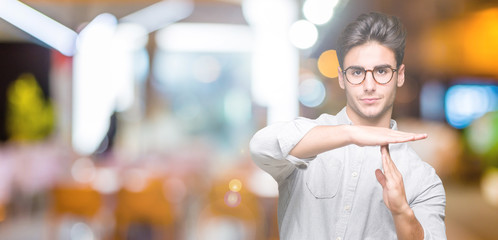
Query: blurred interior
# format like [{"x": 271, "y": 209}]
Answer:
[{"x": 130, "y": 119}]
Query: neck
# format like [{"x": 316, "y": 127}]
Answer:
[{"x": 383, "y": 120}]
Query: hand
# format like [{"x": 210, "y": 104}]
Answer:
[
  {"x": 375, "y": 136},
  {"x": 392, "y": 184}
]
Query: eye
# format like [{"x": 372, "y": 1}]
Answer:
[
  {"x": 357, "y": 72},
  {"x": 382, "y": 70}
]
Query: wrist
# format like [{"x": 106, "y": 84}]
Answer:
[
  {"x": 405, "y": 212},
  {"x": 348, "y": 131},
  {"x": 407, "y": 225}
]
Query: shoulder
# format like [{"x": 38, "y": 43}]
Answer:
[
  {"x": 327, "y": 119},
  {"x": 323, "y": 119}
]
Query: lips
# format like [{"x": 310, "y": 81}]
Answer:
[{"x": 369, "y": 100}]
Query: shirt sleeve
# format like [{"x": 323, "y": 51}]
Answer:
[
  {"x": 429, "y": 207},
  {"x": 271, "y": 145}
]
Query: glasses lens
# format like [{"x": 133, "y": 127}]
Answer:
[
  {"x": 383, "y": 74},
  {"x": 355, "y": 75}
]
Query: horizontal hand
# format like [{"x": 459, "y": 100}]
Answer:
[
  {"x": 378, "y": 136},
  {"x": 324, "y": 138}
]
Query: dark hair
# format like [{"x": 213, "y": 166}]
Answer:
[{"x": 386, "y": 30}]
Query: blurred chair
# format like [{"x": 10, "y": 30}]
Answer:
[
  {"x": 73, "y": 201},
  {"x": 3, "y": 213},
  {"x": 144, "y": 214},
  {"x": 231, "y": 215}
]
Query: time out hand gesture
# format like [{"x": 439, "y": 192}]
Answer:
[{"x": 392, "y": 184}]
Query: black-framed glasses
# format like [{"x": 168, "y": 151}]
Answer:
[{"x": 381, "y": 74}]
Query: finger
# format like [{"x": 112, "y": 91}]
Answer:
[
  {"x": 416, "y": 137},
  {"x": 392, "y": 170},
  {"x": 385, "y": 164},
  {"x": 386, "y": 161},
  {"x": 385, "y": 149},
  {"x": 380, "y": 178},
  {"x": 408, "y": 137},
  {"x": 421, "y": 136}
]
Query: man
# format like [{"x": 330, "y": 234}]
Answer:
[{"x": 328, "y": 169}]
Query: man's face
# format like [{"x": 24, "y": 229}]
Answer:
[{"x": 371, "y": 101}]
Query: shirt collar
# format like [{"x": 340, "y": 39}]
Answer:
[{"x": 343, "y": 119}]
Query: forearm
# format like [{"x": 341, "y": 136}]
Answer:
[
  {"x": 321, "y": 139},
  {"x": 324, "y": 138},
  {"x": 407, "y": 226}
]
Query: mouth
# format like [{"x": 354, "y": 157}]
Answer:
[{"x": 369, "y": 100}]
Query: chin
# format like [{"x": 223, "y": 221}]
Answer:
[
  {"x": 371, "y": 112},
  {"x": 370, "y": 115}
]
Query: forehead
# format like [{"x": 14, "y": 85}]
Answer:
[{"x": 369, "y": 55}]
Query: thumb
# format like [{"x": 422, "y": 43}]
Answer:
[{"x": 380, "y": 177}]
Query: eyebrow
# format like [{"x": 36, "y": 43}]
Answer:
[{"x": 378, "y": 66}]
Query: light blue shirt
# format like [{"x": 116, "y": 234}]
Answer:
[{"x": 336, "y": 194}]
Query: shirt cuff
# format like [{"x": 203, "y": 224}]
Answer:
[
  {"x": 290, "y": 135},
  {"x": 299, "y": 162}
]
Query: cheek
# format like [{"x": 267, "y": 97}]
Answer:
[
  {"x": 347, "y": 90},
  {"x": 390, "y": 92},
  {"x": 353, "y": 91}
]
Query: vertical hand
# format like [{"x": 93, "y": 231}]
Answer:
[{"x": 392, "y": 184}]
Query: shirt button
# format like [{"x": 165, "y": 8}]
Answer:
[
  {"x": 347, "y": 207},
  {"x": 354, "y": 174}
]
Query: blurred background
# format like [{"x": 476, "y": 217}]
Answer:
[{"x": 130, "y": 119}]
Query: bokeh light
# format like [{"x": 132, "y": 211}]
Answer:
[
  {"x": 482, "y": 138},
  {"x": 319, "y": 11},
  {"x": 232, "y": 199},
  {"x": 311, "y": 92},
  {"x": 303, "y": 34},
  {"x": 235, "y": 185},
  {"x": 106, "y": 181},
  {"x": 328, "y": 64},
  {"x": 465, "y": 103},
  {"x": 83, "y": 170},
  {"x": 482, "y": 134},
  {"x": 489, "y": 186},
  {"x": 81, "y": 231}
]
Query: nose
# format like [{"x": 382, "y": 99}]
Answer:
[{"x": 369, "y": 83}]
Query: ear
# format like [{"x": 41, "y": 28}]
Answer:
[
  {"x": 340, "y": 77},
  {"x": 401, "y": 75}
]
